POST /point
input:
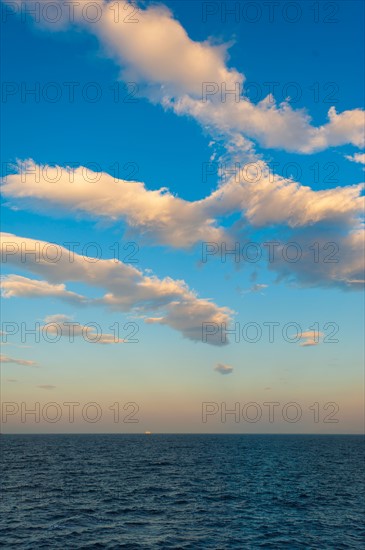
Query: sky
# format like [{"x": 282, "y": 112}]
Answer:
[{"x": 144, "y": 143}]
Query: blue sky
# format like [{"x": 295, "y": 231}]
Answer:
[{"x": 164, "y": 139}]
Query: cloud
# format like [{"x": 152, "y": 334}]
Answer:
[
  {"x": 310, "y": 338},
  {"x": 46, "y": 387},
  {"x": 18, "y": 286},
  {"x": 223, "y": 369},
  {"x": 258, "y": 288},
  {"x": 328, "y": 255},
  {"x": 168, "y": 219},
  {"x": 262, "y": 198},
  {"x": 267, "y": 199},
  {"x": 309, "y": 342},
  {"x": 7, "y": 359},
  {"x": 127, "y": 288},
  {"x": 275, "y": 126},
  {"x": 147, "y": 52},
  {"x": 189, "y": 315},
  {"x": 65, "y": 326},
  {"x": 357, "y": 157}
]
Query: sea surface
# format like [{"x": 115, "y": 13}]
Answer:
[{"x": 182, "y": 491}]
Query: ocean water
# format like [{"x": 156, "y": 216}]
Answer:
[{"x": 182, "y": 491}]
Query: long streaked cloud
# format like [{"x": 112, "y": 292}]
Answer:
[
  {"x": 22, "y": 362},
  {"x": 331, "y": 215},
  {"x": 168, "y": 219},
  {"x": 262, "y": 198},
  {"x": 18, "y": 286},
  {"x": 147, "y": 52},
  {"x": 127, "y": 288}
]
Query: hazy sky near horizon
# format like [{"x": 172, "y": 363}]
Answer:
[{"x": 182, "y": 204}]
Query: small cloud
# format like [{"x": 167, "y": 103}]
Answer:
[
  {"x": 223, "y": 369},
  {"x": 7, "y": 359},
  {"x": 310, "y": 338},
  {"x": 357, "y": 157},
  {"x": 11, "y": 380},
  {"x": 258, "y": 288},
  {"x": 254, "y": 288},
  {"x": 309, "y": 343},
  {"x": 63, "y": 325},
  {"x": 46, "y": 387},
  {"x": 153, "y": 320},
  {"x": 268, "y": 388}
]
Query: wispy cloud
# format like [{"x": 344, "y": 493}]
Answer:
[{"x": 23, "y": 362}]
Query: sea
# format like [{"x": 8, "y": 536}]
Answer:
[{"x": 182, "y": 491}]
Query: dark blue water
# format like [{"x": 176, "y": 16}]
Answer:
[{"x": 182, "y": 491}]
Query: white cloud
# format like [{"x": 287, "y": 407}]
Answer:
[
  {"x": 65, "y": 326},
  {"x": 269, "y": 199},
  {"x": 262, "y": 197},
  {"x": 147, "y": 52},
  {"x": 127, "y": 288},
  {"x": 160, "y": 214},
  {"x": 17, "y": 286},
  {"x": 357, "y": 157},
  {"x": 223, "y": 369}
]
